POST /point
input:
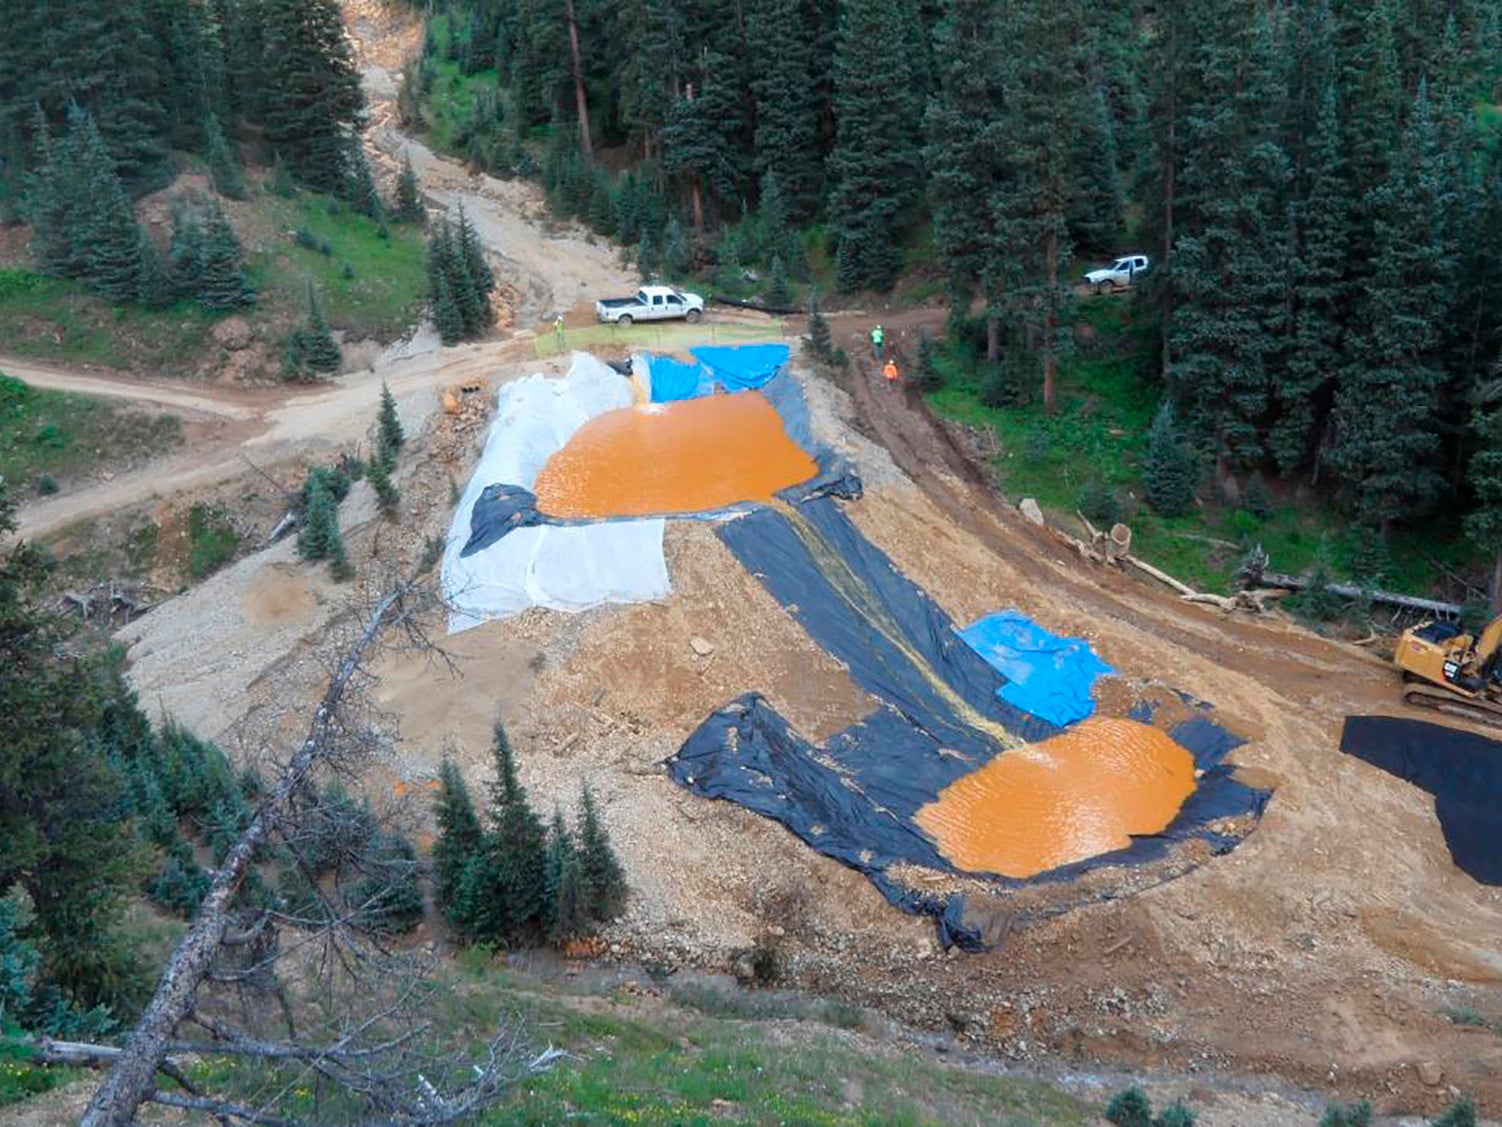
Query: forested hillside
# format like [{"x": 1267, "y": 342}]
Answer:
[
  {"x": 258, "y": 105},
  {"x": 1318, "y": 182}
]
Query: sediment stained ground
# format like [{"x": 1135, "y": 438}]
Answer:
[
  {"x": 1085, "y": 792},
  {"x": 696, "y": 455}
]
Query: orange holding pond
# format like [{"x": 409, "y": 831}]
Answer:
[
  {"x": 685, "y": 457},
  {"x": 1082, "y": 793}
]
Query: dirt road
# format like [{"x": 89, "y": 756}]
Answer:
[{"x": 107, "y": 384}]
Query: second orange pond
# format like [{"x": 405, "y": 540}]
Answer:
[
  {"x": 692, "y": 456},
  {"x": 1082, "y": 793}
]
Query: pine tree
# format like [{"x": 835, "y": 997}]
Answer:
[
  {"x": 339, "y": 566},
  {"x": 308, "y": 91},
  {"x": 221, "y": 283},
  {"x": 604, "y": 882},
  {"x": 567, "y": 898},
  {"x": 185, "y": 252},
  {"x": 459, "y": 840},
  {"x": 778, "y": 238},
  {"x": 874, "y": 168},
  {"x": 1484, "y": 523},
  {"x": 52, "y": 201},
  {"x": 389, "y": 423},
  {"x": 703, "y": 140},
  {"x": 929, "y": 378},
  {"x": 387, "y": 898},
  {"x": 504, "y": 894},
  {"x": 319, "y": 528},
  {"x": 472, "y": 254},
  {"x": 1386, "y": 404},
  {"x": 223, "y": 161},
  {"x": 1169, "y": 468},
  {"x": 407, "y": 207}
]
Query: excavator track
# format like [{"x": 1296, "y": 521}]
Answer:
[{"x": 1421, "y": 694}]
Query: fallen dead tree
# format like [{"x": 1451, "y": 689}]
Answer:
[
  {"x": 1292, "y": 583},
  {"x": 756, "y": 306}
]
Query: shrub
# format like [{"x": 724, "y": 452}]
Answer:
[
  {"x": 386, "y": 898},
  {"x": 1257, "y": 499},
  {"x": 1347, "y": 1115},
  {"x": 1461, "y": 1113},
  {"x": 1130, "y": 1108},
  {"x": 1097, "y": 501},
  {"x": 46, "y": 485}
]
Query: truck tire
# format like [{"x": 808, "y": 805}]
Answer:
[
  {"x": 624, "y": 319},
  {"x": 692, "y": 316}
]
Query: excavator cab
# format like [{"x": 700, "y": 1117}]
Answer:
[{"x": 1448, "y": 669}]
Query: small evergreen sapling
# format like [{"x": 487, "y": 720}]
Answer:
[
  {"x": 393, "y": 437},
  {"x": 379, "y": 475},
  {"x": 777, "y": 284},
  {"x": 1170, "y": 466},
  {"x": 604, "y": 881},
  {"x": 407, "y": 206},
  {"x": 320, "y": 521}
]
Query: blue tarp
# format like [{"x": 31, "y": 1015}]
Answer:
[
  {"x": 742, "y": 366},
  {"x": 1047, "y": 676},
  {"x": 673, "y": 380}
]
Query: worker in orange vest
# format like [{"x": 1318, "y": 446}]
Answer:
[{"x": 890, "y": 371}]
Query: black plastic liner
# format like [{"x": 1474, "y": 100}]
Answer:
[
  {"x": 854, "y": 799},
  {"x": 1461, "y": 770},
  {"x": 499, "y": 510}
]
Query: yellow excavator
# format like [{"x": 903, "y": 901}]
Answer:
[{"x": 1447, "y": 669}]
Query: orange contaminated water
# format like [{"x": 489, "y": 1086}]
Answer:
[
  {"x": 1082, "y": 793},
  {"x": 684, "y": 457}
]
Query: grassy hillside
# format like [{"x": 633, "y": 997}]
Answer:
[
  {"x": 369, "y": 276},
  {"x": 1099, "y": 437}
]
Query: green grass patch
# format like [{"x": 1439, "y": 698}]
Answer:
[
  {"x": 51, "y": 435},
  {"x": 371, "y": 282},
  {"x": 1472, "y": 1018},
  {"x": 212, "y": 539},
  {"x": 1099, "y": 435},
  {"x": 662, "y": 336},
  {"x": 20, "y": 1079},
  {"x": 56, "y": 319}
]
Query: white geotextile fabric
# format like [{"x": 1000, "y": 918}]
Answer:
[{"x": 568, "y": 568}]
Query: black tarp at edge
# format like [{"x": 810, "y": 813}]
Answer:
[
  {"x": 1461, "y": 770},
  {"x": 854, "y": 799}
]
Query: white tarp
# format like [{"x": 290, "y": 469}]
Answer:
[{"x": 564, "y": 568}]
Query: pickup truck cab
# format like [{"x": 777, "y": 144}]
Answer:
[
  {"x": 651, "y": 303},
  {"x": 1121, "y": 273}
]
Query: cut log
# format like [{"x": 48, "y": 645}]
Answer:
[
  {"x": 1347, "y": 591},
  {"x": 1161, "y": 576},
  {"x": 756, "y": 306}
]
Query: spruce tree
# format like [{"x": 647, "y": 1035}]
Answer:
[
  {"x": 446, "y": 315},
  {"x": 875, "y": 167},
  {"x": 677, "y": 257},
  {"x": 472, "y": 253},
  {"x": 459, "y": 840},
  {"x": 318, "y": 350},
  {"x": 389, "y": 423},
  {"x": 778, "y": 237},
  {"x": 222, "y": 283},
  {"x": 108, "y": 231},
  {"x": 778, "y": 293},
  {"x": 378, "y": 473},
  {"x": 223, "y": 161},
  {"x": 1321, "y": 225},
  {"x": 820, "y": 341},
  {"x": 604, "y": 881},
  {"x": 308, "y": 91},
  {"x": 52, "y": 198},
  {"x": 1483, "y": 525},
  {"x": 319, "y": 528},
  {"x": 504, "y": 894},
  {"x": 1169, "y": 468},
  {"x": 780, "y": 57},
  {"x": 929, "y": 378},
  {"x": 1386, "y": 405},
  {"x": 154, "y": 287},
  {"x": 567, "y": 916},
  {"x": 185, "y": 252},
  {"x": 407, "y": 207}
]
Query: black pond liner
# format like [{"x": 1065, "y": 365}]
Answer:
[
  {"x": 854, "y": 798},
  {"x": 1461, "y": 770}
]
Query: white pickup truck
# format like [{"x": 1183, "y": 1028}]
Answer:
[
  {"x": 651, "y": 303},
  {"x": 1121, "y": 273}
]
